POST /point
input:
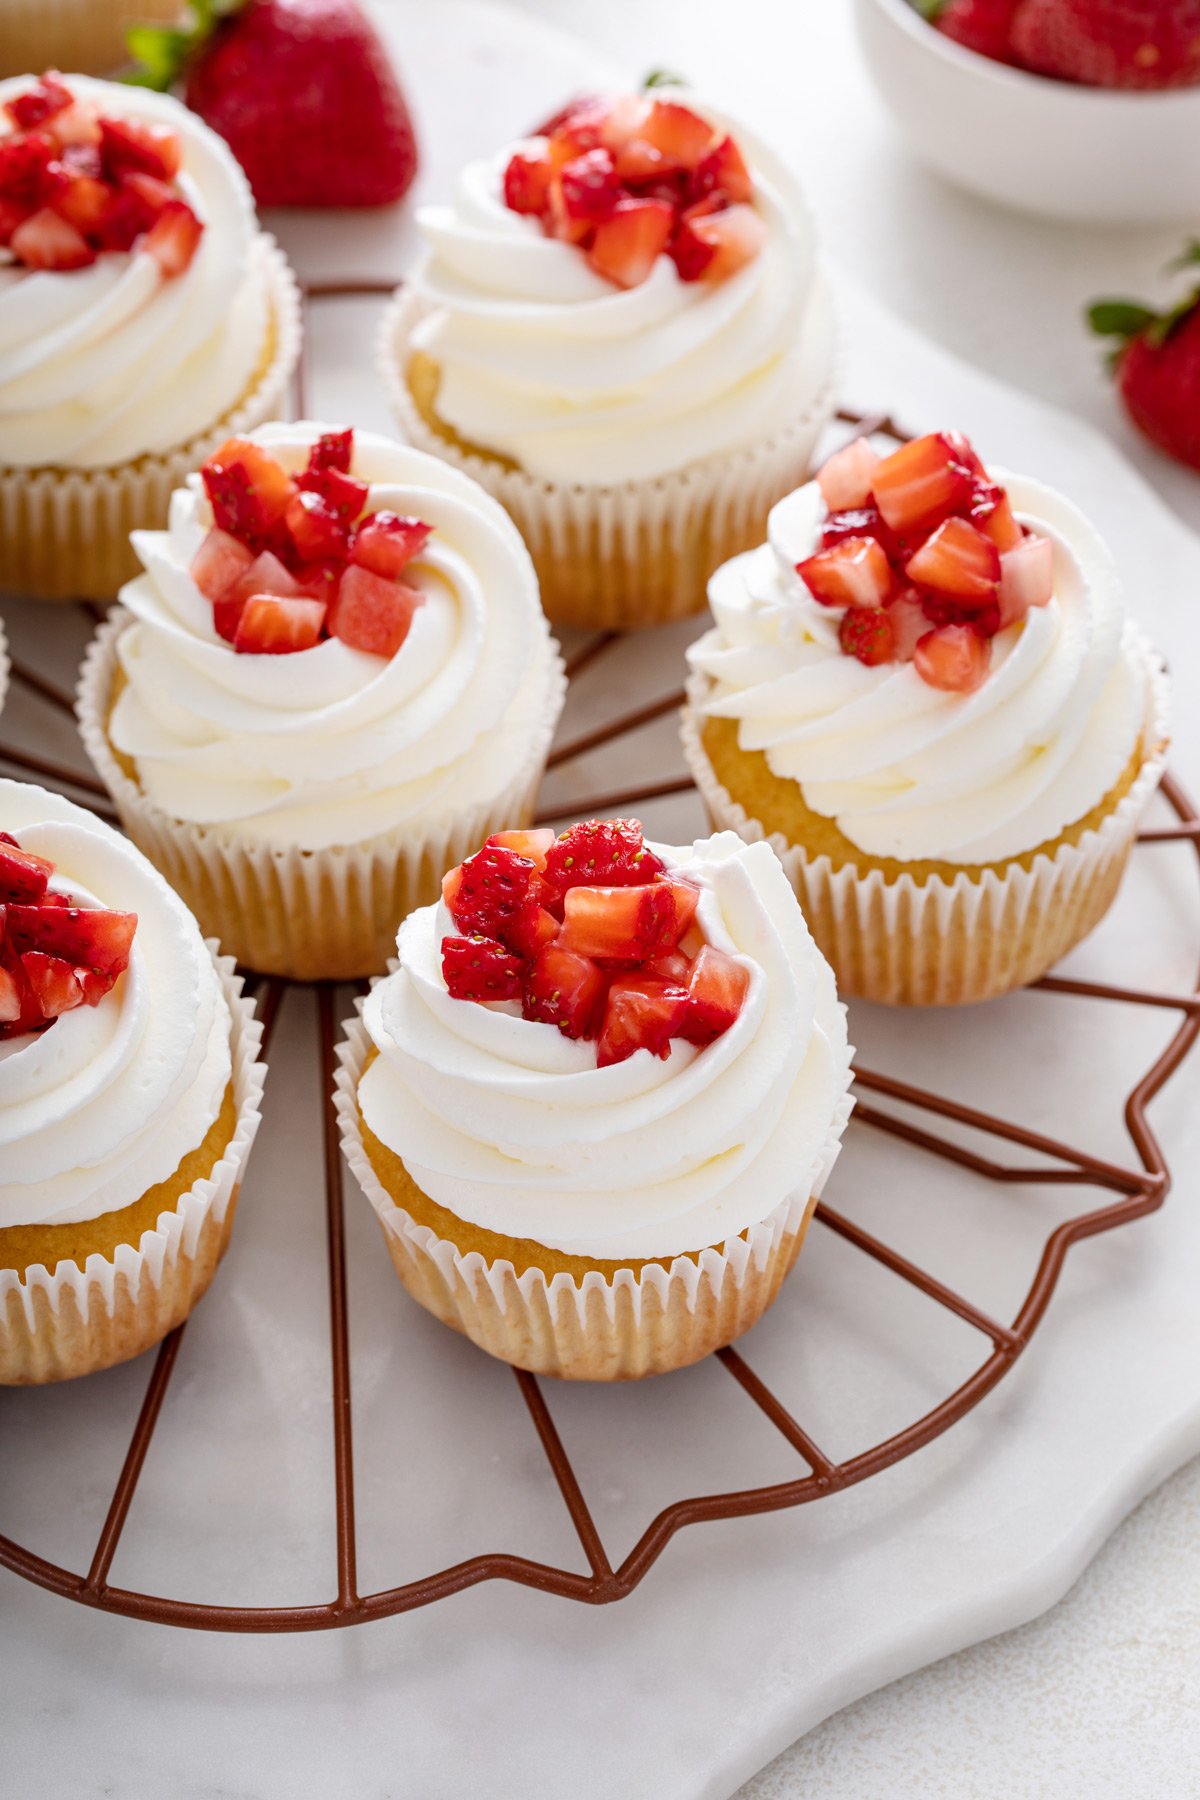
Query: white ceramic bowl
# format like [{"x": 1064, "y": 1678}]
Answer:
[{"x": 1091, "y": 155}]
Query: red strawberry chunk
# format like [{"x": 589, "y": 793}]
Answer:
[
  {"x": 620, "y": 924},
  {"x": 716, "y": 246},
  {"x": 219, "y": 564},
  {"x": 333, "y": 450},
  {"x": 590, "y": 187},
  {"x": 922, "y": 483},
  {"x": 12, "y": 214},
  {"x": 55, "y": 984},
  {"x": 478, "y": 968},
  {"x": 907, "y": 618},
  {"x": 174, "y": 238},
  {"x": 487, "y": 894},
  {"x": 681, "y": 137},
  {"x": 1026, "y": 579},
  {"x": 845, "y": 479},
  {"x": 566, "y": 990},
  {"x": 867, "y": 635},
  {"x": 527, "y": 183},
  {"x": 86, "y": 203},
  {"x": 861, "y": 521},
  {"x": 992, "y": 513},
  {"x": 642, "y": 1012},
  {"x": 272, "y": 626},
  {"x": 722, "y": 170},
  {"x": 717, "y": 990},
  {"x": 318, "y": 532},
  {"x": 602, "y": 853},
  {"x": 386, "y": 542},
  {"x": 627, "y": 245},
  {"x": 371, "y": 613},
  {"x": 248, "y": 489},
  {"x": 11, "y": 1000},
  {"x": 128, "y": 145},
  {"x": 340, "y": 492},
  {"x": 957, "y": 560},
  {"x": 47, "y": 241},
  {"x": 534, "y": 844},
  {"x": 23, "y": 168},
  {"x": 954, "y": 657},
  {"x": 99, "y": 939},
  {"x": 24, "y": 877},
  {"x": 854, "y": 572},
  {"x": 41, "y": 102},
  {"x": 685, "y": 898}
]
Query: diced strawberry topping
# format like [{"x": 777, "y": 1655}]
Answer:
[
  {"x": 565, "y": 990},
  {"x": 1026, "y": 578},
  {"x": 958, "y": 560},
  {"x": 855, "y": 572},
  {"x": 907, "y": 618},
  {"x": 248, "y": 490},
  {"x": 386, "y": 543},
  {"x": 954, "y": 657},
  {"x": 533, "y": 844},
  {"x": 45, "y": 240},
  {"x": 55, "y": 985},
  {"x": 867, "y": 634},
  {"x": 845, "y": 479},
  {"x": 174, "y": 238},
  {"x": 265, "y": 575},
  {"x": 992, "y": 513},
  {"x": 527, "y": 183},
  {"x": 722, "y": 170},
  {"x": 486, "y": 893},
  {"x": 41, "y": 102},
  {"x": 333, "y": 450},
  {"x": 272, "y": 626},
  {"x": 590, "y": 186},
  {"x": 340, "y": 492},
  {"x": 480, "y": 969},
  {"x": 54, "y": 956},
  {"x": 681, "y": 137},
  {"x": 628, "y": 243},
  {"x": 86, "y": 202},
  {"x": 642, "y": 1012},
  {"x": 372, "y": 613},
  {"x": 717, "y": 989},
  {"x": 318, "y": 532},
  {"x": 133, "y": 145},
  {"x": 24, "y": 877},
  {"x": 24, "y": 168},
  {"x": 602, "y": 853},
  {"x": 922, "y": 483},
  {"x": 618, "y": 924},
  {"x": 715, "y": 246},
  {"x": 95, "y": 937}
]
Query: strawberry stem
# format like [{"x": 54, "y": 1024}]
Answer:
[{"x": 160, "y": 53}]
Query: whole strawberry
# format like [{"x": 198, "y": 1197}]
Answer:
[
  {"x": 301, "y": 90},
  {"x": 1157, "y": 365},
  {"x": 1110, "y": 43}
]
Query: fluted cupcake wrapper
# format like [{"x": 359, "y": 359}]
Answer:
[
  {"x": 67, "y": 1321},
  {"x": 621, "y": 1327},
  {"x": 940, "y": 943},
  {"x": 638, "y": 553},
  {"x": 311, "y": 915},
  {"x": 86, "y": 37},
  {"x": 64, "y": 533}
]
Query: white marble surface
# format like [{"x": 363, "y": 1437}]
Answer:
[{"x": 747, "y": 1634}]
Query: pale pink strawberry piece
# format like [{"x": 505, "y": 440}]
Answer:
[
  {"x": 1026, "y": 578},
  {"x": 854, "y": 572},
  {"x": 155, "y": 195},
  {"x": 723, "y": 170},
  {"x": 685, "y": 898},
  {"x": 958, "y": 560},
  {"x": 953, "y": 657},
  {"x": 99, "y": 939},
  {"x": 24, "y": 877},
  {"x": 11, "y": 1004},
  {"x": 618, "y": 924},
  {"x": 174, "y": 238},
  {"x": 627, "y": 245},
  {"x": 681, "y": 137},
  {"x": 845, "y": 479},
  {"x": 641, "y": 1013},
  {"x": 265, "y": 575},
  {"x": 46, "y": 241},
  {"x": 639, "y": 163},
  {"x": 867, "y": 635},
  {"x": 692, "y": 942},
  {"x": 55, "y": 984},
  {"x": 386, "y": 542},
  {"x": 602, "y": 853},
  {"x": 565, "y": 990},
  {"x": 909, "y": 624},
  {"x": 273, "y": 626},
  {"x": 133, "y": 146},
  {"x": 534, "y": 844},
  {"x": 76, "y": 125},
  {"x": 480, "y": 969},
  {"x": 717, "y": 989},
  {"x": 219, "y": 564},
  {"x": 922, "y": 483},
  {"x": 717, "y": 245},
  {"x": 672, "y": 965},
  {"x": 371, "y": 613}
]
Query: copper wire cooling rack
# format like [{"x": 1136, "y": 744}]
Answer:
[{"x": 1139, "y": 1190}]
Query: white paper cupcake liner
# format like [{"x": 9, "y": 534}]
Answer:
[
  {"x": 311, "y": 915},
  {"x": 67, "y": 1321},
  {"x": 939, "y": 943},
  {"x": 636, "y": 553},
  {"x": 64, "y": 533},
  {"x": 604, "y": 1328},
  {"x": 85, "y": 37}
]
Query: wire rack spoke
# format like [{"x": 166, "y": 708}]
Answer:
[
  {"x": 564, "y": 1474},
  {"x": 822, "y": 1466},
  {"x": 605, "y": 734}
]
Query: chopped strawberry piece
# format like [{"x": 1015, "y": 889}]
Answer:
[
  {"x": 957, "y": 560},
  {"x": 248, "y": 490},
  {"x": 219, "y": 563},
  {"x": 627, "y": 245},
  {"x": 862, "y": 521},
  {"x": 265, "y": 575},
  {"x": 24, "y": 163},
  {"x": 386, "y": 542},
  {"x": 565, "y": 990},
  {"x": 590, "y": 187},
  {"x": 722, "y": 170},
  {"x": 47, "y": 241},
  {"x": 854, "y": 572},
  {"x": 681, "y": 137},
  {"x": 907, "y": 618},
  {"x": 272, "y": 626},
  {"x": 922, "y": 483},
  {"x": 12, "y": 214},
  {"x": 11, "y": 1001},
  {"x": 532, "y": 844},
  {"x": 317, "y": 531},
  {"x": 845, "y": 479},
  {"x": 41, "y": 102},
  {"x": 642, "y": 1012},
  {"x": 134, "y": 145},
  {"x": 333, "y": 450},
  {"x": 527, "y": 183},
  {"x": 619, "y": 924},
  {"x": 86, "y": 203},
  {"x": 99, "y": 939},
  {"x": 954, "y": 657},
  {"x": 371, "y": 613},
  {"x": 672, "y": 965},
  {"x": 717, "y": 990},
  {"x": 716, "y": 246},
  {"x": 685, "y": 897},
  {"x": 174, "y": 238},
  {"x": 531, "y": 928},
  {"x": 487, "y": 892},
  {"x": 582, "y": 110},
  {"x": 867, "y": 635},
  {"x": 478, "y": 968},
  {"x": 319, "y": 581},
  {"x": 602, "y": 853},
  {"x": 75, "y": 128},
  {"x": 340, "y": 492},
  {"x": 640, "y": 166},
  {"x": 56, "y": 986},
  {"x": 24, "y": 877},
  {"x": 992, "y": 513},
  {"x": 1026, "y": 578},
  {"x": 126, "y": 219},
  {"x": 155, "y": 195}
]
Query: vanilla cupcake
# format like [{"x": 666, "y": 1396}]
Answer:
[
  {"x": 304, "y": 746},
  {"x": 594, "y": 1119},
  {"x": 129, "y": 1096},
  {"x": 924, "y": 693},
  {"x": 79, "y": 34},
  {"x": 144, "y": 317},
  {"x": 620, "y": 329}
]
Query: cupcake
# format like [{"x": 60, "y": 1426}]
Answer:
[
  {"x": 596, "y": 1102},
  {"x": 620, "y": 329},
  {"x": 84, "y": 34},
  {"x": 144, "y": 318},
  {"x": 923, "y": 692},
  {"x": 129, "y": 1095},
  {"x": 332, "y": 680}
]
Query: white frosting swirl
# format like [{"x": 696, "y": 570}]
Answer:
[
  {"x": 110, "y": 1099},
  {"x": 576, "y": 380},
  {"x": 908, "y": 770},
  {"x": 103, "y": 364},
  {"x": 333, "y": 745},
  {"x": 514, "y": 1127}
]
